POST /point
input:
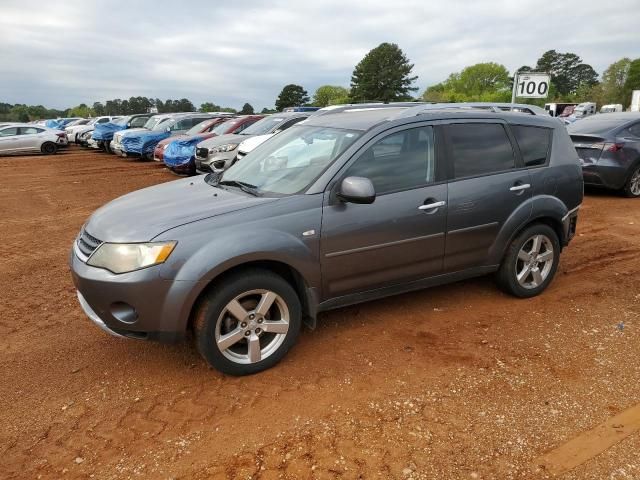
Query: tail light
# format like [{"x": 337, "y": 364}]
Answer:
[{"x": 608, "y": 147}]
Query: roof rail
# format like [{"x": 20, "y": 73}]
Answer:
[
  {"x": 496, "y": 107},
  {"x": 354, "y": 107}
]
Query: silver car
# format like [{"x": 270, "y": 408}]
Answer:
[{"x": 23, "y": 137}]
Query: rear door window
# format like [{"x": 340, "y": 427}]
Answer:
[
  {"x": 479, "y": 149},
  {"x": 30, "y": 130},
  {"x": 534, "y": 143}
]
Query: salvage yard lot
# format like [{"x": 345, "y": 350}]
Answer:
[{"x": 460, "y": 381}]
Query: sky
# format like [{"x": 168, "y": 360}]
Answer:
[{"x": 60, "y": 54}]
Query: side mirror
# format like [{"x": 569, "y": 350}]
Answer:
[
  {"x": 168, "y": 129},
  {"x": 129, "y": 125},
  {"x": 357, "y": 190}
]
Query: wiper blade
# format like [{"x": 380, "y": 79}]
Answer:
[{"x": 245, "y": 187}]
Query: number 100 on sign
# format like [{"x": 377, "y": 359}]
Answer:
[{"x": 533, "y": 86}]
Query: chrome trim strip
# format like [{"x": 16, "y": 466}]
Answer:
[
  {"x": 94, "y": 317},
  {"x": 475, "y": 227},
  {"x": 81, "y": 256},
  {"x": 571, "y": 211},
  {"x": 382, "y": 245}
]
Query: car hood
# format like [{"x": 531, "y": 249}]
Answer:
[
  {"x": 132, "y": 130},
  {"x": 252, "y": 142},
  {"x": 144, "y": 214},
  {"x": 223, "y": 139}
]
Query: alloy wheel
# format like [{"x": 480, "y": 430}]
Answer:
[
  {"x": 534, "y": 262},
  {"x": 252, "y": 326}
]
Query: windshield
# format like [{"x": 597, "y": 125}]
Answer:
[
  {"x": 264, "y": 126},
  {"x": 163, "y": 124},
  {"x": 223, "y": 127},
  {"x": 596, "y": 125},
  {"x": 152, "y": 122},
  {"x": 290, "y": 161},
  {"x": 198, "y": 128}
]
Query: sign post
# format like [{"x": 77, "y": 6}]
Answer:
[{"x": 530, "y": 85}]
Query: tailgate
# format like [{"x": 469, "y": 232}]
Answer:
[{"x": 589, "y": 148}]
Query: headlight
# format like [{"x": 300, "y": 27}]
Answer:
[
  {"x": 127, "y": 257},
  {"x": 224, "y": 148}
]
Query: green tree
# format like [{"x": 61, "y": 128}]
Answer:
[
  {"x": 384, "y": 74},
  {"x": 632, "y": 82},
  {"x": 330, "y": 95},
  {"x": 567, "y": 70},
  {"x": 98, "y": 108},
  {"x": 266, "y": 110},
  {"x": 81, "y": 110},
  {"x": 482, "y": 82},
  {"x": 291, "y": 96},
  {"x": 247, "y": 109},
  {"x": 613, "y": 81}
]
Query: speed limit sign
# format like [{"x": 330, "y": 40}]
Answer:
[{"x": 532, "y": 85}]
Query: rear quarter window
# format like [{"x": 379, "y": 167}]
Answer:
[
  {"x": 479, "y": 149},
  {"x": 534, "y": 143}
]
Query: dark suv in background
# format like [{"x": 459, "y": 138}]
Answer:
[{"x": 352, "y": 205}]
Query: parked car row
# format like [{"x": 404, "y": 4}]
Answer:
[{"x": 344, "y": 205}]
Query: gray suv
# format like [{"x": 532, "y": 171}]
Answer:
[{"x": 356, "y": 204}]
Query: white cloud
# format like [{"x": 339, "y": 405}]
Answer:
[{"x": 62, "y": 53}]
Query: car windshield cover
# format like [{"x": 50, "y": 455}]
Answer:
[
  {"x": 290, "y": 161},
  {"x": 198, "y": 128},
  {"x": 264, "y": 126}
]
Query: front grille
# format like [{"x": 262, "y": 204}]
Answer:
[
  {"x": 202, "y": 152},
  {"x": 87, "y": 243}
]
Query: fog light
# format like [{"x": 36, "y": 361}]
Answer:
[{"x": 124, "y": 312}]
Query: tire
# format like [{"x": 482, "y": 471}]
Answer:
[
  {"x": 49, "y": 148},
  {"x": 247, "y": 353},
  {"x": 631, "y": 189},
  {"x": 107, "y": 147},
  {"x": 523, "y": 275}
]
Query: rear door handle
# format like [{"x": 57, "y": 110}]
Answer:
[
  {"x": 517, "y": 188},
  {"x": 431, "y": 206}
]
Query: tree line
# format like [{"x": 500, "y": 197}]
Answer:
[{"x": 385, "y": 75}]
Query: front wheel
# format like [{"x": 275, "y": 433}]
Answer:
[
  {"x": 530, "y": 262},
  {"x": 49, "y": 148},
  {"x": 248, "y": 322},
  {"x": 632, "y": 187}
]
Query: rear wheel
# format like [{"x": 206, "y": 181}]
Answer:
[
  {"x": 632, "y": 187},
  {"x": 248, "y": 322},
  {"x": 49, "y": 148},
  {"x": 107, "y": 147},
  {"x": 530, "y": 262}
]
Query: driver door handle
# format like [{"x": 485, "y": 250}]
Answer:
[
  {"x": 517, "y": 188},
  {"x": 431, "y": 206}
]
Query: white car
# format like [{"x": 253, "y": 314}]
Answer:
[
  {"x": 250, "y": 143},
  {"x": 74, "y": 132},
  {"x": 23, "y": 137}
]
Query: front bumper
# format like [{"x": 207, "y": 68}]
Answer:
[
  {"x": 215, "y": 162},
  {"x": 138, "y": 304}
]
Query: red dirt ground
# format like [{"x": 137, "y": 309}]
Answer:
[{"x": 455, "y": 382}]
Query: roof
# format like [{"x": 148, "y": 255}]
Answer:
[
  {"x": 368, "y": 117},
  {"x": 603, "y": 122}
]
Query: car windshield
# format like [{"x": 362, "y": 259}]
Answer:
[
  {"x": 595, "y": 125},
  {"x": 198, "y": 128},
  {"x": 288, "y": 162},
  {"x": 163, "y": 124},
  {"x": 223, "y": 127},
  {"x": 264, "y": 126},
  {"x": 152, "y": 122}
]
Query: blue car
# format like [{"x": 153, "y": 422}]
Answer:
[
  {"x": 103, "y": 132},
  {"x": 141, "y": 143}
]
